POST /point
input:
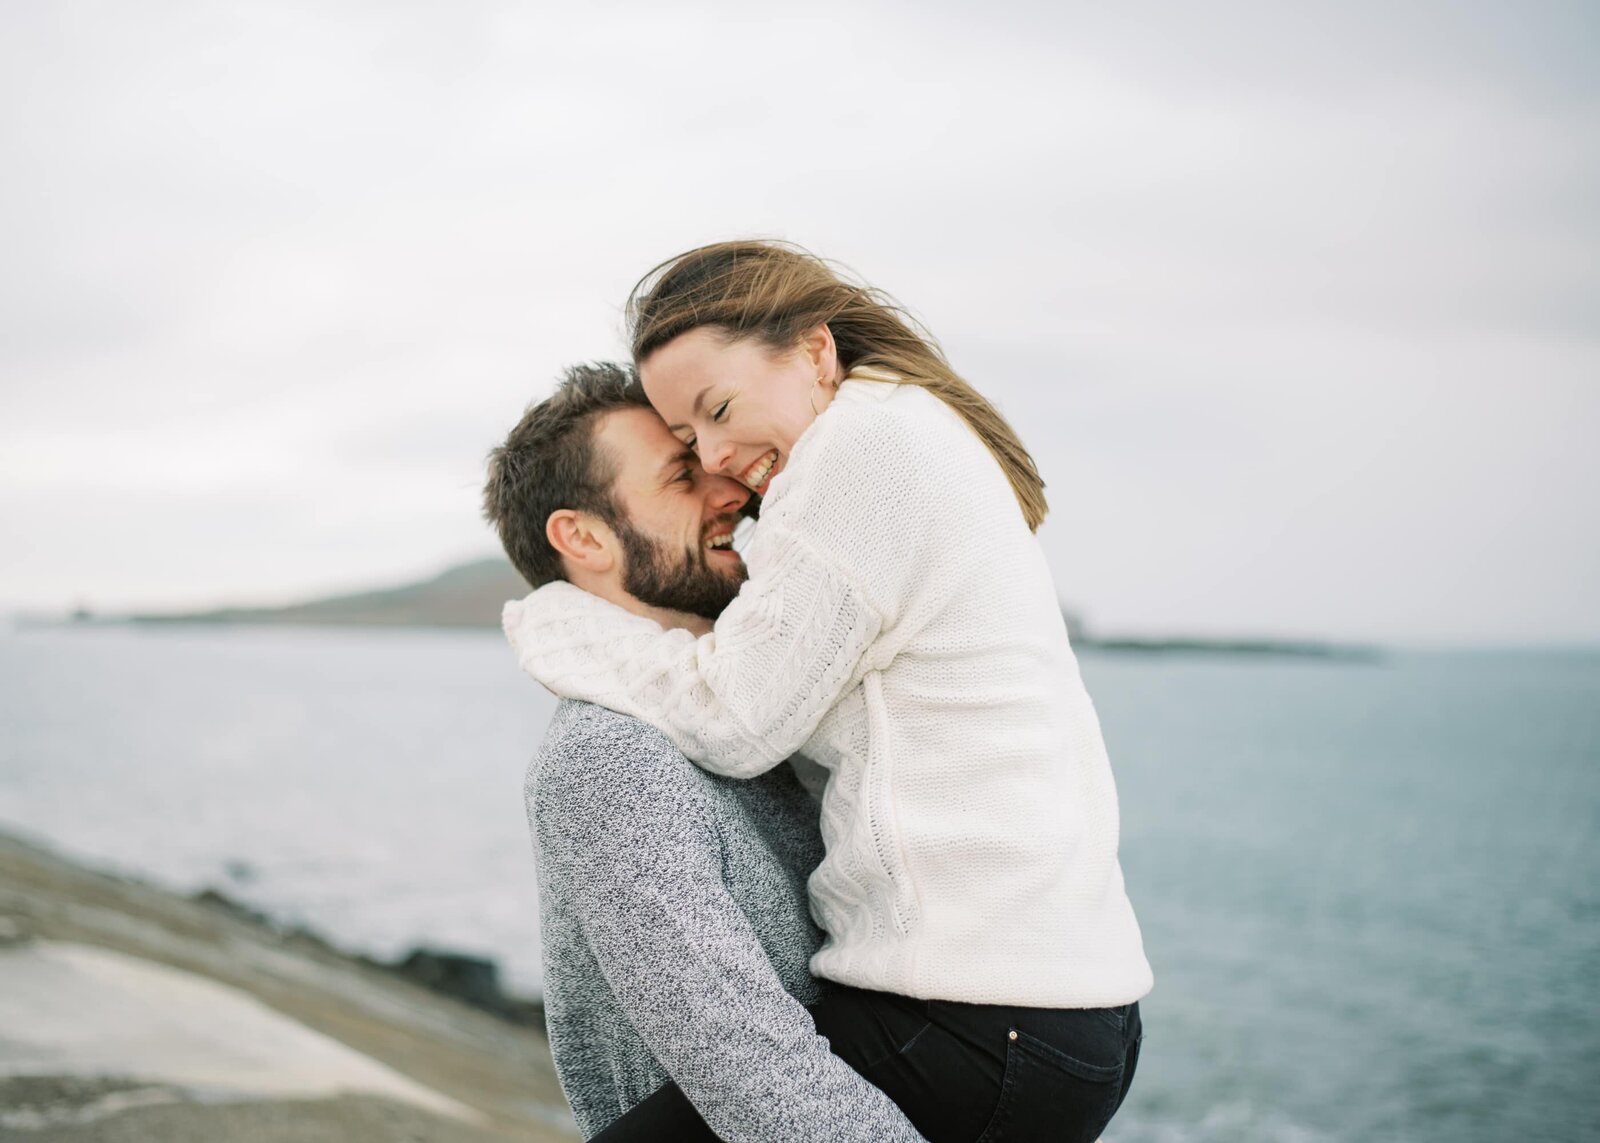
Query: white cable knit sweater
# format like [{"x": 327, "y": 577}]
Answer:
[{"x": 901, "y": 628}]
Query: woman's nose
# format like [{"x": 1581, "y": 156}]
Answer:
[{"x": 716, "y": 453}]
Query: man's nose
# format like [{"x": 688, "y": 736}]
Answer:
[{"x": 727, "y": 495}]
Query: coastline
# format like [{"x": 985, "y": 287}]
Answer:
[
  {"x": 132, "y": 1012},
  {"x": 469, "y": 596}
]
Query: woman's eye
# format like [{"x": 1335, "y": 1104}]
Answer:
[
  {"x": 719, "y": 412},
  {"x": 693, "y": 445}
]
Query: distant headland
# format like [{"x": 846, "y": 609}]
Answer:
[
  {"x": 470, "y": 595},
  {"x": 467, "y": 595}
]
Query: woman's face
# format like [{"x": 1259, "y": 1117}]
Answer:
[{"x": 738, "y": 404}]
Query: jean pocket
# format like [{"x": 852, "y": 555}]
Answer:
[
  {"x": 877, "y": 1028},
  {"x": 1115, "y": 1017},
  {"x": 1048, "y": 1094}
]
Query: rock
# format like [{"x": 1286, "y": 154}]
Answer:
[
  {"x": 214, "y": 899},
  {"x": 469, "y": 978}
]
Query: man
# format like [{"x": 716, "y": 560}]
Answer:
[{"x": 672, "y": 901}]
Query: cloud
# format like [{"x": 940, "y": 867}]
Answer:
[{"x": 1294, "y": 304}]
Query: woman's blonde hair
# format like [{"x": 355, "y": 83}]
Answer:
[{"x": 776, "y": 292}]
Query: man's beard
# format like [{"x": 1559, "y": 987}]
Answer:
[{"x": 689, "y": 584}]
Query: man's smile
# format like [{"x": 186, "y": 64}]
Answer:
[{"x": 718, "y": 541}]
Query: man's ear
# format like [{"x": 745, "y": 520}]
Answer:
[
  {"x": 582, "y": 540},
  {"x": 817, "y": 344}
]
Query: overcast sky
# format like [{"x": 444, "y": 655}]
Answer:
[{"x": 1295, "y": 303}]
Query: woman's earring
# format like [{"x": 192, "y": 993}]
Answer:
[{"x": 814, "y": 385}]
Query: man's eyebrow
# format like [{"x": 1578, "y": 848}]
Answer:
[
  {"x": 678, "y": 458},
  {"x": 699, "y": 402}
]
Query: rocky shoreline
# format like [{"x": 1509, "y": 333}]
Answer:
[
  {"x": 134, "y": 1013},
  {"x": 470, "y": 979}
]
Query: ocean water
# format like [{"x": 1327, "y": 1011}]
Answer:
[{"x": 1370, "y": 892}]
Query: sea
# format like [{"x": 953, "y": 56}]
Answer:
[{"x": 1370, "y": 891}]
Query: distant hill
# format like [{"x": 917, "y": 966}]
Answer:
[{"x": 469, "y": 595}]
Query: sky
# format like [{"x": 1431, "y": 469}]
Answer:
[{"x": 1296, "y": 305}]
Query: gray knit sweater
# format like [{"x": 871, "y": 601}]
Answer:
[{"x": 677, "y": 937}]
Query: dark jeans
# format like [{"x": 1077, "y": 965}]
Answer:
[{"x": 962, "y": 1073}]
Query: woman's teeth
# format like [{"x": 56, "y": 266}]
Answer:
[{"x": 756, "y": 475}]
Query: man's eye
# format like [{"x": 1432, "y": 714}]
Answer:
[
  {"x": 719, "y": 412},
  {"x": 686, "y": 476}
]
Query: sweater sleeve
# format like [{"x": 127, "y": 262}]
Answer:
[
  {"x": 687, "y": 968},
  {"x": 842, "y": 545}
]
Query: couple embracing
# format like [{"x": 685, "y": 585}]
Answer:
[{"x": 826, "y": 834}]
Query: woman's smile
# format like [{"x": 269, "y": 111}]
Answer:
[{"x": 758, "y": 475}]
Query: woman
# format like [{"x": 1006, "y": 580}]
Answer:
[{"x": 900, "y": 628}]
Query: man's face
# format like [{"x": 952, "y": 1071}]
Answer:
[{"x": 677, "y": 525}]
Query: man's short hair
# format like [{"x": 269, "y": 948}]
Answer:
[{"x": 550, "y": 462}]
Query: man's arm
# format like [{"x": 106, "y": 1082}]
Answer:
[{"x": 681, "y": 958}]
